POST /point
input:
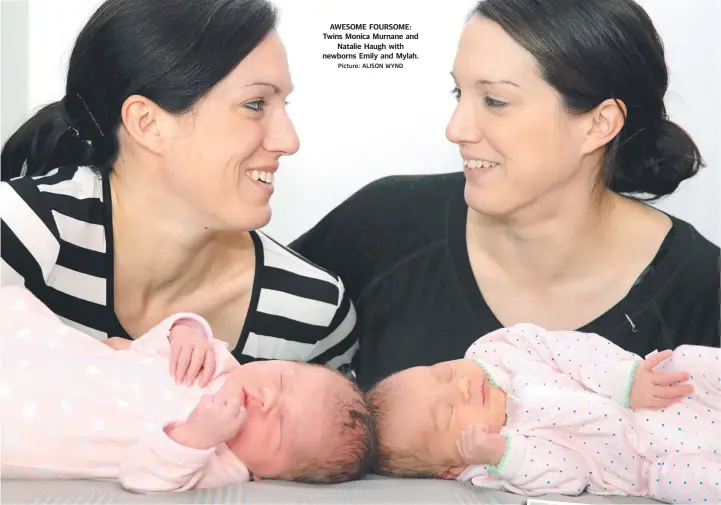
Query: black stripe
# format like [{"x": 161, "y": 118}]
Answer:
[
  {"x": 244, "y": 359},
  {"x": 299, "y": 285},
  {"x": 82, "y": 260},
  {"x": 258, "y": 281},
  {"x": 348, "y": 340},
  {"x": 295, "y": 253},
  {"x": 14, "y": 252},
  {"x": 88, "y": 210},
  {"x": 63, "y": 174},
  {"x": 287, "y": 329},
  {"x": 337, "y": 350},
  {"x": 28, "y": 191},
  {"x": 78, "y": 310}
]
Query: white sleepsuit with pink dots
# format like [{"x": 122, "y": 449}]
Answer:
[{"x": 569, "y": 431}]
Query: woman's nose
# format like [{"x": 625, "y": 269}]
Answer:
[
  {"x": 462, "y": 128},
  {"x": 268, "y": 398}
]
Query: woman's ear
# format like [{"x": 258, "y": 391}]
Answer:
[
  {"x": 607, "y": 120},
  {"x": 141, "y": 118}
]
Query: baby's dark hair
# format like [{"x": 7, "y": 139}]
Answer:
[
  {"x": 351, "y": 457},
  {"x": 391, "y": 459}
]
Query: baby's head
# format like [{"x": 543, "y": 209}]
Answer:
[
  {"x": 306, "y": 423},
  {"x": 420, "y": 413}
]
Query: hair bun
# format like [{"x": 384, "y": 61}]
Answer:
[{"x": 655, "y": 161}]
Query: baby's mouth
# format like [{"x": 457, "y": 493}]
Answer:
[{"x": 483, "y": 392}]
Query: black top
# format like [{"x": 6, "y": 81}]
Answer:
[
  {"x": 399, "y": 244},
  {"x": 57, "y": 241}
]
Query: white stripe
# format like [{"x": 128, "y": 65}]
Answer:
[
  {"x": 80, "y": 285},
  {"x": 8, "y": 275},
  {"x": 86, "y": 235},
  {"x": 277, "y": 256},
  {"x": 49, "y": 174},
  {"x": 266, "y": 347},
  {"x": 337, "y": 336},
  {"x": 30, "y": 230},
  {"x": 84, "y": 184},
  {"x": 345, "y": 358},
  {"x": 306, "y": 310},
  {"x": 100, "y": 335}
]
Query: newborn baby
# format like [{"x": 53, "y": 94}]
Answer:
[
  {"x": 534, "y": 412},
  {"x": 72, "y": 407}
]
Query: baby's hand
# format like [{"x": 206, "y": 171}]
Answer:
[
  {"x": 191, "y": 354},
  {"x": 117, "y": 343},
  {"x": 213, "y": 421},
  {"x": 479, "y": 447},
  {"x": 657, "y": 389}
]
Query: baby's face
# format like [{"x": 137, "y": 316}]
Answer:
[
  {"x": 432, "y": 405},
  {"x": 291, "y": 408}
]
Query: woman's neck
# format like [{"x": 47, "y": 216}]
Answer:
[
  {"x": 161, "y": 246},
  {"x": 549, "y": 241}
]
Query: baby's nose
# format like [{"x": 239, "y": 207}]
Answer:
[
  {"x": 267, "y": 399},
  {"x": 464, "y": 385}
]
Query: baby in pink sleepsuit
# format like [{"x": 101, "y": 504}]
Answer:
[
  {"x": 537, "y": 412},
  {"x": 72, "y": 407}
]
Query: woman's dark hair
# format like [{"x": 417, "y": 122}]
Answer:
[
  {"x": 170, "y": 51},
  {"x": 593, "y": 50}
]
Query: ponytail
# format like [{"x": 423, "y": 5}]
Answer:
[{"x": 50, "y": 139}]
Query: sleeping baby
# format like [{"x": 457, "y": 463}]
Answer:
[
  {"x": 74, "y": 408},
  {"x": 534, "y": 412}
]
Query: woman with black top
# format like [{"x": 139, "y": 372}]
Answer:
[{"x": 562, "y": 130}]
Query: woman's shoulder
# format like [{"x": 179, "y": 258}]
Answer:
[
  {"x": 69, "y": 182},
  {"x": 685, "y": 271},
  {"x": 380, "y": 223},
  {"x": 423, "y": 193},
  {"x": 690, "y": 252},
  {"x": 41, "y": 213}
]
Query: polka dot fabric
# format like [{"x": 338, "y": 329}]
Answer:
[
  {"x": 569, "y": 430},
  {"x": 72, "y": 407}
]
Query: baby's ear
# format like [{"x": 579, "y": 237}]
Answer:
[{"x": 451, "y": 473}]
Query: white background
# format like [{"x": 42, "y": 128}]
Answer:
[{"x": 357, "y": 125}]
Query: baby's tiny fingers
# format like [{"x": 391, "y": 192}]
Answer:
[
  {"x": 196, "y": 362},
  {"x": 667, "y": 378},
  {"x": 673, "y": 391},
  {"x": 208, "y": 368},
  {"x": 183, "y": 362},
  {"x": 463, "y": 450}
]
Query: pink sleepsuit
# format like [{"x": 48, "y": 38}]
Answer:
[
  {"x": 72, "y": 407},
  {"x": 569, "y": 431}
]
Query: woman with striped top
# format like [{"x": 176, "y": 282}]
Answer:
[{"x": 140, "y": 193}]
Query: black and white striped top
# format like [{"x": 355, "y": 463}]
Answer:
[{"x": 56, "y": 239}]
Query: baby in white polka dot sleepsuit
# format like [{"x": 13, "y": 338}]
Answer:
[
  {"x": 537, "y": 412},
  {"x": 72, "y": 407}
]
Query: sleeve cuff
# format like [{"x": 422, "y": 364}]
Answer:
[
  {"x": 191, "y": 319},
  {"x": 512, "y": 459},
  {"x": 170, "y": 450},
  {"x": 621, "y": 381}
]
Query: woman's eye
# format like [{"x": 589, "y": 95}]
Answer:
[
  {"x": 492, "y": 102},
  {"x": 256, "y": 105},
  {"x": 456, "y": 93}
]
